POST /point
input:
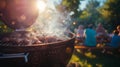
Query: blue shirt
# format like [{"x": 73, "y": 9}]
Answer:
[
  {"x": 90, "y": 37},
  {"x": 115, "y": 42}
]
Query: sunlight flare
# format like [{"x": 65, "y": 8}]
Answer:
[{"x": 41, "y": 5}]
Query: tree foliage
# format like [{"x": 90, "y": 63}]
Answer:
[
  {"x": 90, "y": 15},
  {"x": 71, "y": 5},
  {"x": 108, "y": 14},
  {"x": 111, "y": 12}
]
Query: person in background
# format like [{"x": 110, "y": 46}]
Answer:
[
  {"x": 79, "y": 35},
  {"x": 80, "y": 31},
  {"x": 90, "y": 36},
  {"x": 115, "y": 41},
  {"x": 100, "y": 30},
  {"x": 118, "y": 28},
  {"x": 102, "y": 35}
]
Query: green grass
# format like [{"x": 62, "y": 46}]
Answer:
[{"x": 95, "y": 58}]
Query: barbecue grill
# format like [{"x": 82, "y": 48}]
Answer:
[{"x": 19, "y": 15}]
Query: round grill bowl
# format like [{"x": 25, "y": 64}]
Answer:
[
  {"x": 42, "y": 55},
  {"x": 21, "y": 14}
]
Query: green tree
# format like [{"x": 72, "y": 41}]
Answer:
[
  {"x": 111, "y": 12},
  {"x": 72, "y": 5},
  {"x": 91, "y": 15}
]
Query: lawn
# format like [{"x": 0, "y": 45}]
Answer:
[{"x": 95, "y": 58}]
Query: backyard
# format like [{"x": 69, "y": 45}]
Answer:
[
  {"x": 95, "y": 58},
  {"x": 44, "y": 35}
]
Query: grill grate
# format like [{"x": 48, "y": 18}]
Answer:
[{"x": 11, "y": 44}]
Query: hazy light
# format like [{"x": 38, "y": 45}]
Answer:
[
  {"x": 51, "y": 22},
  {"x": 74, "y": 23},
  {"x": 41, "y": 5}
]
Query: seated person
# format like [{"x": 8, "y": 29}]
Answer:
[
  {"x": 115, "y": 42},
  {"x": 90, "y": 36},
  {"x": 79, "y": 33},
  {"x": 100, "y": 30},
  {"x": 118, "y": 29},
  {"x": 102, "y": 35}
]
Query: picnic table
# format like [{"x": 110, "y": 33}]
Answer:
[{"x": 103, "y": 45}]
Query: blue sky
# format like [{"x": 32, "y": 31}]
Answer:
[{"x": 83, "y": 3}]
